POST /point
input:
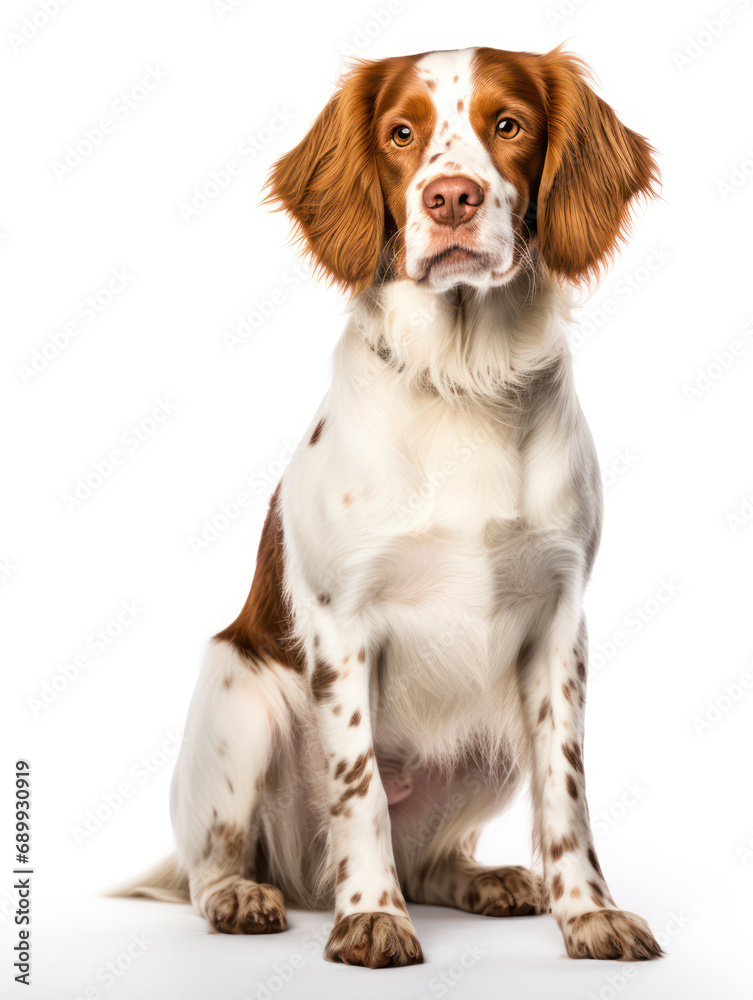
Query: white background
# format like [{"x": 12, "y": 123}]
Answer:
[{"x": 670, "y": 801}]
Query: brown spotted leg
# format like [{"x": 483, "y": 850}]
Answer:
[
  {"x": 372, "y": 927},
  {"x": 554, "y": 699},
  {"x": 232, "y": 723}
]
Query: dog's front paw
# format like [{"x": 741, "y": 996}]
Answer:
[
  {"x": 375, "y": 940},
  {"x": 610, "y": 934},
  {"x": 245, "y": 907},
  {"x": 505, "y": 892}
]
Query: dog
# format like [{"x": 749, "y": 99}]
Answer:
[{"x": 413, "y": 646}]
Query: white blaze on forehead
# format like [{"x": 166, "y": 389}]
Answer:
[
  {"x": 455, "y": 150},
  {"x": 449, "y": 76}
]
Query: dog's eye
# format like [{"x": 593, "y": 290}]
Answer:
[
  {"x": 402, "y": 136},
  {"x": 507, "y": 128}
]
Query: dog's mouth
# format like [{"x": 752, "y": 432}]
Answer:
[{"x": 455, "y": 258}]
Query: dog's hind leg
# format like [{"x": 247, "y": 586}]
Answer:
[
  {"x": 239, "y": 712},
  {"x": 435, "y": 833}
]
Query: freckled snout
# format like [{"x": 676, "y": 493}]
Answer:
[{"x": 451, "y": 201}]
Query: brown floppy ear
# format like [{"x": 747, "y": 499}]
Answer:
[
  {"x": 593, "y": 169},
  {"x": 330, "y": 185}
]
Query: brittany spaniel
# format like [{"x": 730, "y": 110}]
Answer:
[{"x": 413, "y": 645}]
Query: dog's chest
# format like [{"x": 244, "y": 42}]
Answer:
[{"x": 408, "y": 507}]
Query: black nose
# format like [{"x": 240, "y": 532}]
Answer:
[{"x": 451, "y": 201}]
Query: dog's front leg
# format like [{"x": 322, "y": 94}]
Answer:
[
  {"x": 372, "y": 926},
  {"x": 554, "y": 685}
]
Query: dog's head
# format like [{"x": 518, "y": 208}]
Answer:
[{"x": 451, "y": 167}]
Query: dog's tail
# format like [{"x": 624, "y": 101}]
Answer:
[{"x": 168, "y": 883}]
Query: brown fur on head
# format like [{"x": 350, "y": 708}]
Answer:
[{"x": 345, "y": 185}]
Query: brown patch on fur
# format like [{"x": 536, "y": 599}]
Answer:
[
  {"x": 374, "y": 940},
  {"x": 557, "y": 886},
  {"x": 572, "y": 753},
  {"x": 560, "y": 847},
  {"x": 347, "y": 499},
  {"x": 546, "y": 707},
  {"x": 572, "y": 788},
  {"x": 575, "y": 893},
  {"x": 597, "y": 893},
  {"x": 359, "y": 766},
  {"x": 317, "y": 431},
  {"x": 594, "y": 861},
  {"x": 355, "y": 898},
  {"x": 359, "y": 790},
  {"x": 322, "y": 680},
  {"x": 398, "y": 902},
  {"x": 461, "y": 107},
  {"x": 342, "y": 871},
  {"x": 341, "y": 768},
  {"x": 581, "y": 670},
  {"x": 566, "y": 692},
  {"x": 611, "y": 934},
  {"x": 355, "y": 719},
  {"x": 337, "y": 709},
  {"x": 263, "y": 628},
  {"x": 362, "y": 654},
  {"x": 383, "y": 899}
]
